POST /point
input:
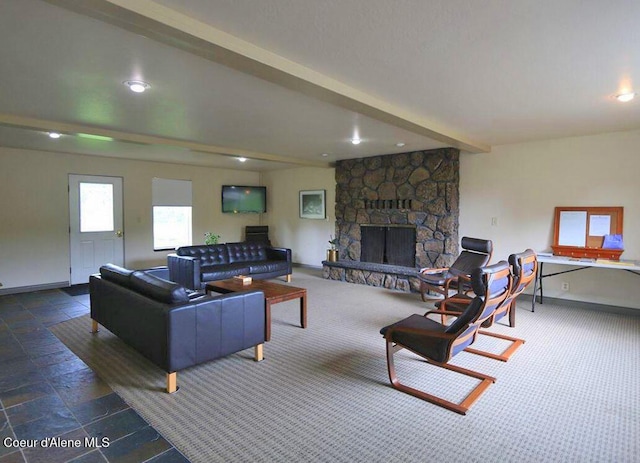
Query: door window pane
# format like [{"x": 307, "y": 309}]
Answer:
[
  {"x": 171, "y": 227},
  {"x": 96, "y": 207}
]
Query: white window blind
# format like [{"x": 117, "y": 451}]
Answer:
[
  {"x": 169, "y": 192},
  {"x": 172, "y": 220}
]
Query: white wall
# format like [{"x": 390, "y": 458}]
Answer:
[
  {"x": 307, "y": 238},
  {"x": 521, "y": 184},
  {"x": 34, "y": 206}
]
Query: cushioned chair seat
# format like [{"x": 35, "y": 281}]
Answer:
[
  {"x": 435, "y": 278},
  {"x": 434, "y": 348},
  {"x": 447, "y": 278}
]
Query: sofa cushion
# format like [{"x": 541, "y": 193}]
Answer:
[
  {"x": 246, "y": 252},
  {"x": 218, "y": 272},
  {"x": 268, "y": 266},
  {"x": 207, "y": 254},
  {"x": 116, "y": 274},
  {"x": 157, "y": 289}
]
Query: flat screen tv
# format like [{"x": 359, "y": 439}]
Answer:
[{"x": 238, "y": 199}]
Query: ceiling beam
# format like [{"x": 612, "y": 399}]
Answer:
[
  {"x": 12, "y": 120},
  {"x": 157, "y": 22}
]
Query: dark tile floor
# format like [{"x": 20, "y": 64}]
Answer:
[{"x": 47, "y": 392}]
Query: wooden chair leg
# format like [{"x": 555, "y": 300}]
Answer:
[
  {"x": 423, "y": 291},
  {"x": 462, "y": 407},
  {"x": 512, "y": 314},
  {"x": 288, "y": 278},
  {"x": 258, "y": 356},
  {"x": 94, "y": 326},
  {"x": 392, "y": 349},
  {"x": 506, "y": 354},
  {"x": 172, "y": 382}
]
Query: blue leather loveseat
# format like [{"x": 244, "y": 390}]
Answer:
[{"x": 173, "y": 327}]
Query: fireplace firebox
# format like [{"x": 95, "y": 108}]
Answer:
[{"x": 388, "y": 244}]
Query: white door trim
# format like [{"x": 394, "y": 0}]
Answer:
[{"x": 89, "y": 250}]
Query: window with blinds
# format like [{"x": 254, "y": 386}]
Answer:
[{"x": 172, "y": 225}]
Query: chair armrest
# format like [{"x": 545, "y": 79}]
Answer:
[
  {"x": 464, "y": 283},
  {"x": 443, "y": 312},
  {"x": 185, "y": 270},
  {"x": 428, "y": 270},
  {"x": 456, "y": 299}
]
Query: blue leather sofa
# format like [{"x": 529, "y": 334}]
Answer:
[
  {"x": 173, "y": 327},
  {"x": 194, "y": 266}
]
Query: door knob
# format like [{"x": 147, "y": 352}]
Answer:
[{"x": 119, "y": 233}]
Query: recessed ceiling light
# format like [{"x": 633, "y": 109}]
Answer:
[
  {"x": 241, "y": 159},
  {"x": 355, "y": 141},
  {"x": 624, "y": 97},
  {"x": 400, "y": 144},
  {"x": 324, "y": 155},
  {"x": 136, "y": 86},
  {"x": 54, "y": 135}
]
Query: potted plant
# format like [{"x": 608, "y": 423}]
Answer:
[
  {"x": 211, "y": 238},
  {"x": 332, "y": 253}
]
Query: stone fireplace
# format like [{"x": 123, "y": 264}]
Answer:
[{"x": 383, "y": 201}]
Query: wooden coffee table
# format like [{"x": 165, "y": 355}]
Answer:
[{"x": 273, "y": 293}]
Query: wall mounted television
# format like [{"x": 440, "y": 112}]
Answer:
[{"x": 240, "y": 199}]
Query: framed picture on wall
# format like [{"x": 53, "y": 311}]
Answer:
[{"x": 312, "y": 204}]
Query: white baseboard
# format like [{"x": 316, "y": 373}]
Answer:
[{"x": 581, "y": 305}]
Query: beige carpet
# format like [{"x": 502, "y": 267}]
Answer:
[{"x": 322, "y": 393}]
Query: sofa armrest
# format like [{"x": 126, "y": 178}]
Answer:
[
  {"x": 278, "y": 254},
  {"x": 135, "y": 318},
  {"x": 214, "y": 326},
  {"x": 282, "y": 254},
  {"x": 184, "y": 270}
]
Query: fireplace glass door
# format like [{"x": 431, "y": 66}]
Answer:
[{"x": 393, "y": 245}]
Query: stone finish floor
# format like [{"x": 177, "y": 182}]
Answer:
[{"x": 46, "y": 392}]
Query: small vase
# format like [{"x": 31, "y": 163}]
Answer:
[{"x": 332, "y": 255}]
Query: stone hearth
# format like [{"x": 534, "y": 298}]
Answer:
[
  {"x": 416, "y": 189},
  {"x": 367, "y": 273}
]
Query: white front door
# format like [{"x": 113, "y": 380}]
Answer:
[{"x": 95, "y": 224}]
